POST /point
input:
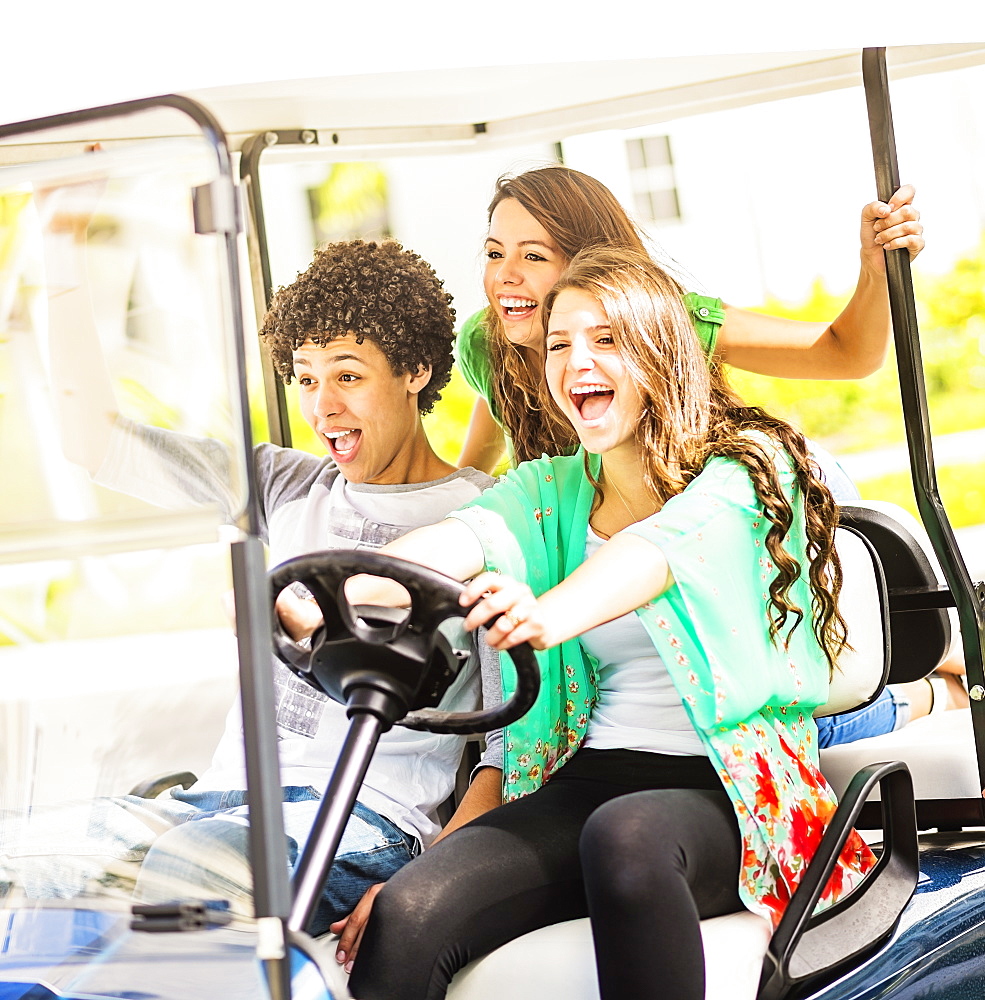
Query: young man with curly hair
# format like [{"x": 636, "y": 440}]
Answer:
[{"x": 367, "y": 332}]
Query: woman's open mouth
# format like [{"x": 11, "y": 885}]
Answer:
[
  {"x": 517, "y": 308},
  {"x": 591, "y": 400}
]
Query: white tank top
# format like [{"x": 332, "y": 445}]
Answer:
[{"x": 638, "y": 706}]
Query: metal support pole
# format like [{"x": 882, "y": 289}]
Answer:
[
  {"x": 333, "y": 814},
  {"x": 263, "y": 286},
  {"x": 970, "y": 604}
]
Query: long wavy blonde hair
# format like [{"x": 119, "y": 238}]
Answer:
[
  {"x": 579, "y": 213},
  {"x": 690, "y": 414}
]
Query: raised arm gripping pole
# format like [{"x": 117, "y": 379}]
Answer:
[{"x": 967, "y": 597}]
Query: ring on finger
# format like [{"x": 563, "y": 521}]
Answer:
[{"x": 514, "y": 620}]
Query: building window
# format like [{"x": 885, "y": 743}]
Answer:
[{"x": 651, "y": 171}]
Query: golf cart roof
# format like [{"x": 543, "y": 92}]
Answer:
[{"x": 439, "y": 103}]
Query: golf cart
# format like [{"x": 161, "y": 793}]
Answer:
[{"x": 915, "y": 925}]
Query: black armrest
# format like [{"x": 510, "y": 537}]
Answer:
[{"x": 805, "y": 946}]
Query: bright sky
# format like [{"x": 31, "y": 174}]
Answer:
[{"x": 60, "y": 54}]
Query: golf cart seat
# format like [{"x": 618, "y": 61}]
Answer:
[
  {"x": 742, "y": 958},
  {"x": 939, "y": 750}
]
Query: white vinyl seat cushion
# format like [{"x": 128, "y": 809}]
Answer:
[
  {"x": 560, "y": 961},
  {"x": 938, "y": 749},
  {"x": 859, "y": 672}
]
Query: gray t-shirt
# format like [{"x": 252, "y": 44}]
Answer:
[{"x": 307, "y": 505}]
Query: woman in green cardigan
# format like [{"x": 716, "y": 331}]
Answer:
[
  {"x": 680, "y": 577},
  {"x": 540, "y": 219}
]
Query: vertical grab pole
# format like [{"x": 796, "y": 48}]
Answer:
[
  {"x": 970, "y": 601},
  {"x": 263, "y": 286}
]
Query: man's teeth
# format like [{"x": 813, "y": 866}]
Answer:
[{"x": 342, "y": 440}]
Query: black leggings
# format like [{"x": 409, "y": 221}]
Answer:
[{"x": 645, "y": 844}]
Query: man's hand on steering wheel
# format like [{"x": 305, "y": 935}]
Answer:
[{"x": 300, "y": 616}]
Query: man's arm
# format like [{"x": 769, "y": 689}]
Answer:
[{"x": 485, "y": 793}]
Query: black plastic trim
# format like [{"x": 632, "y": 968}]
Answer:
[
  {"x": 808, "y": 948},
  {"x": 970, "y": 605}
]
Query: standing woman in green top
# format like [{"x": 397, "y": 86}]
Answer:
[{"x": 539, "y": 220}]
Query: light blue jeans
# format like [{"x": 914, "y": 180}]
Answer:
[
  {"x": 186, "y": 845},
  {"x": 890, "y": 711},
  {"x": 205, "y": 854}
]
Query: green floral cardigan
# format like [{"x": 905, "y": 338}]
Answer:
[{"x": 749, "y": 700}]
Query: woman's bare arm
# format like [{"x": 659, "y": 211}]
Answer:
[
  {"x": 855, "y": 343},
  {"x": 624, "y": 574},
  {"x": 484, "y": 440}
]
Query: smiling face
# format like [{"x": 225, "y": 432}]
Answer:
[
  {"x": 587, "y": 377},
  {"x": 366, "y": 416},
  {"x": 522, "y": 264}
]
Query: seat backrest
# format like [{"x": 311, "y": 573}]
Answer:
[
  {"x": 919, "y": 640},
  {"x": 861, "y": 671}
]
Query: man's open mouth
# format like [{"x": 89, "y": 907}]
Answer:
[{"x": 342, "y": 443}]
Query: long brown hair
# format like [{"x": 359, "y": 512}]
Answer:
[
  {"x": 690, "y": 414},
  {"x": 579, "y": 213}
]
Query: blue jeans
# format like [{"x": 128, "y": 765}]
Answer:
[
  {"x": 888, "y": 712},
  {"x": 185, "y": 845},
  {"x": 205, "y": 855}
]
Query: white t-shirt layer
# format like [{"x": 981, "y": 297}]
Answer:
[{"x": 638, "y": 707}]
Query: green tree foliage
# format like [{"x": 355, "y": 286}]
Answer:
[
  {"x": 351, "y": 203},
  {"x": 961, "y": 487},
  {"x": 857, "y": 415}
]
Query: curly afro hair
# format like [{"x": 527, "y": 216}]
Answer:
[{"x": 378, "y": 291}]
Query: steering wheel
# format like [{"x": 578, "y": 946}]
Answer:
[{"x": 396, "y": 651}]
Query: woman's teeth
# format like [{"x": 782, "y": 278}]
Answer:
[
  {"x": 518, "y": 305},
  {"x": 592, "y": 400}
]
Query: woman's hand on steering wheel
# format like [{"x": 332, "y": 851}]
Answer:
[{"x": 520, "y": 616}]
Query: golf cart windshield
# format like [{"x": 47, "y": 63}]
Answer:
[{"x": 121, "y": 436}]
